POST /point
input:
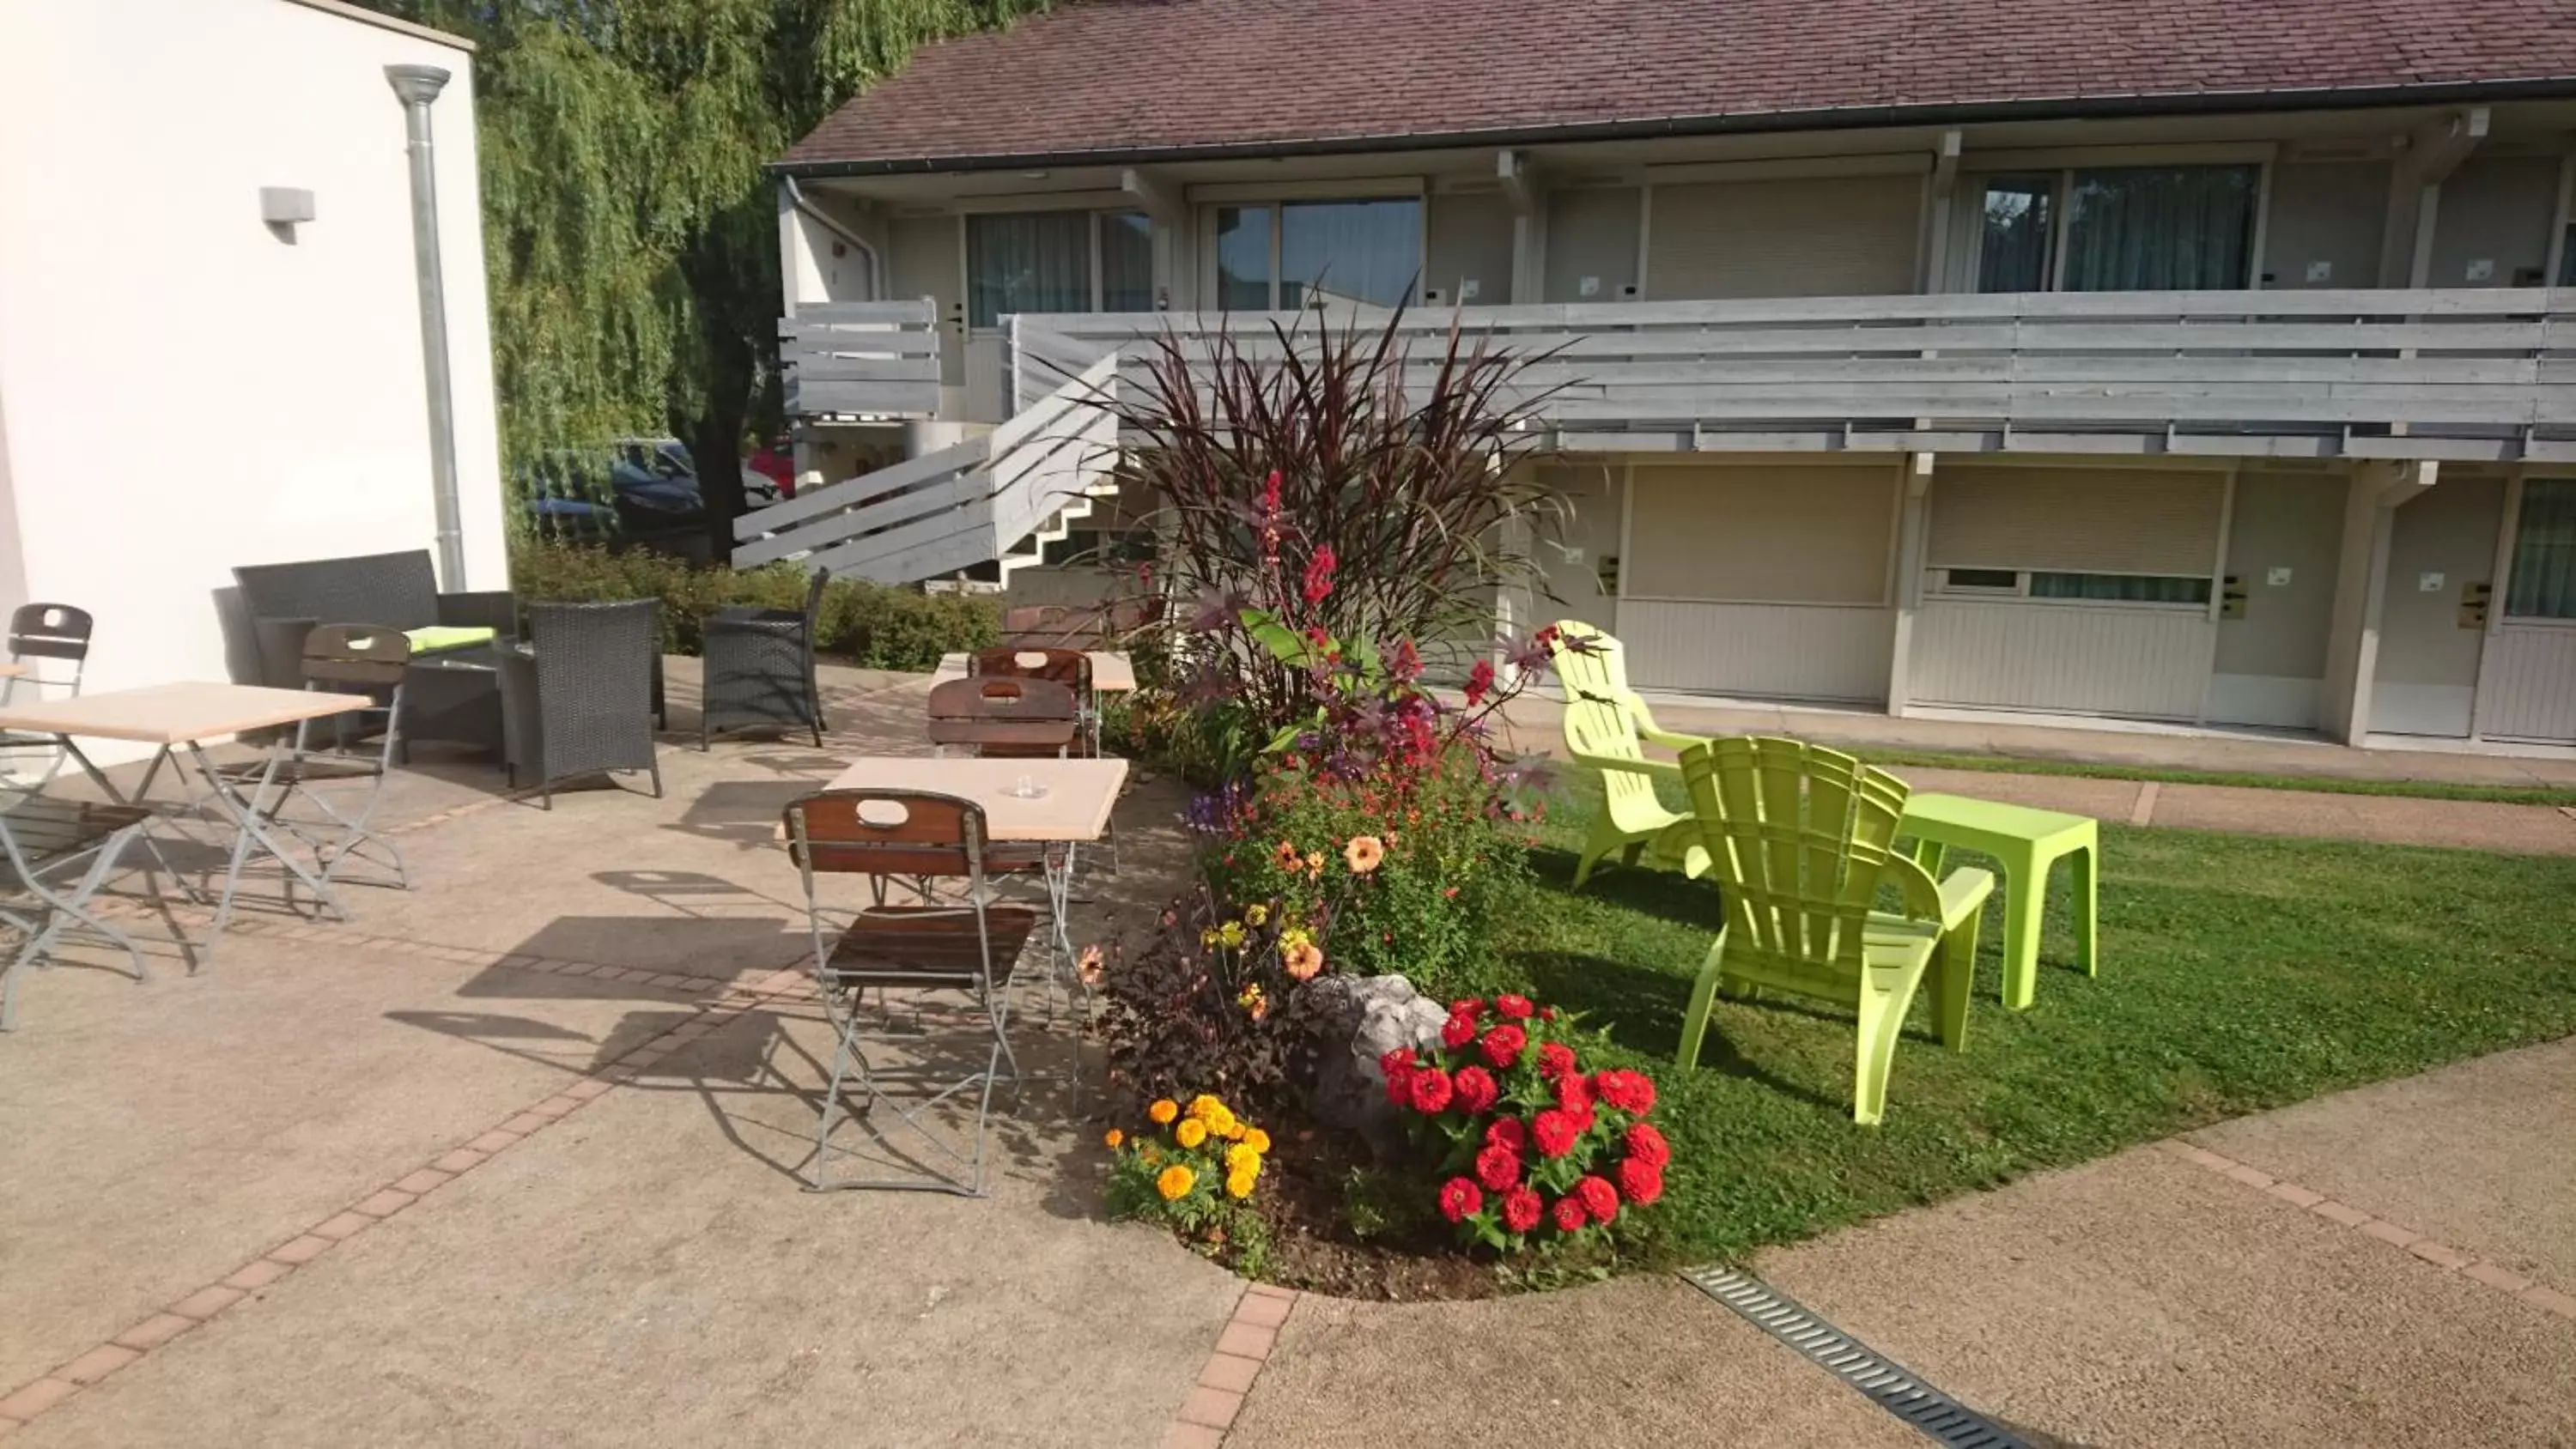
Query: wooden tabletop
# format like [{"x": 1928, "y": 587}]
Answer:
[
  {"x": 1111, "y": 672},
  {"x": 175, "y": 714},
  {"x": 1075, "y": 806},
  {"x": 11, "y": 669}
]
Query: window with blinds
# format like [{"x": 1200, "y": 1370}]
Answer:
[
  {"x": 1747, "y": 534},
  {"x": 2161, "y": 522}
]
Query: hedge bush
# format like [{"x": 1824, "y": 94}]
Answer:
[{"x": 869, "y": 624}]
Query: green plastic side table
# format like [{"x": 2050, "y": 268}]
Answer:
[{"x": 2025, "y": 842}]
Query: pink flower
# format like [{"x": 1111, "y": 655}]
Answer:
[
  {"x": 1319, "y": 575},
  {"x": 1480, "y": 680}
]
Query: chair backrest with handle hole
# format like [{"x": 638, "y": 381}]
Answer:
[
  {"x": 901, "y": 833},
  {"x": 1068, "y": 667},
  {"x": 49, "y": 631},
  {"x": 368, "y": 655}
]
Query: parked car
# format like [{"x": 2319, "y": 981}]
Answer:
[{"x": 636, "y": 486}]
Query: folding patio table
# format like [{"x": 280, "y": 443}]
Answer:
[
  {"x": 180, "y": 718},
  {"x": 1111, "y": 672}
]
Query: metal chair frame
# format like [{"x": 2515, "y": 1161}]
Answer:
[
  {"x": 356, "y": 658},
  {"x": 97, "y": 834}
]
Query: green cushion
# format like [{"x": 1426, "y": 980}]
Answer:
[{"x": 446, "y": 636}]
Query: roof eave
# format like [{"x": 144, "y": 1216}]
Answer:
[{"x": 1828, "y": 118}]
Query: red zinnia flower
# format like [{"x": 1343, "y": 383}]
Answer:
[
  {"x": 1503, "y": 1046},
  {"x": 1507, "y": 1132},
  {"x": 1458, "y": 1198},
  {"x": 1457, "y": 1031},
  {"x": 1476, "y": 1090},
  {"x": 1431, "y": 1090},
  {"x": 1600, "y": 1199},
  {"x": 1569, "y": 1214},
  {"x": 1630, "y": 1092},
  {"x": 1470, "y": 1007},
  {"x": 1647, "y": 1145},
  {"x": 1640, "y": 1181},
  {"x": 1480, "y": 682},
  {"x": 1522, "y": 1209},
  {"x": 1498, "y": 1168},
  {"x": 1555, "y": 1132},
  {"x": 1518, "y": 1008},
  {"x": 1399, "y": 1086},
  {"x": 1555, "y": 1059},
  {"x": 1574, "y": 1094},
  {"x": 1395, "y": 1061}
]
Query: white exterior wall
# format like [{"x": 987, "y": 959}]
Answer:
[{"x": 141, "y": 297}]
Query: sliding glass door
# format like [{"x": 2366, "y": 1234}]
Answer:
[
  {"x": 1275, "y": 257},
  {"x": 2124, "y": 229}
]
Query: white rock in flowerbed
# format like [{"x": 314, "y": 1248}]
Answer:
[{"x": 1352, "y": 1021}]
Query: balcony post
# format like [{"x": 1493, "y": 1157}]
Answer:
[{"x": 1907, "y": 582}]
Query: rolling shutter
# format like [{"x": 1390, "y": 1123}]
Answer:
[
  {"x": 2103, "y": 520},
  {"x": 1810, "y": 534},
  {"x": 1819, "y": 237}
]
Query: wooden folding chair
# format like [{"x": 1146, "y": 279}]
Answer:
[
  {"x": 970, "y": 946},
  {"x": 1005, "y": 718}
]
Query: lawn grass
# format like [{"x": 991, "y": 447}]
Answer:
[
  {"x": 1897, "y": 759},
  {"x": 2238, "y": 973}
]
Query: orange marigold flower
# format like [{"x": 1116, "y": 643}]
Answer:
[
  {"x": 1114, "y": 1138},
  {"x": 1163, "y": 1111}
]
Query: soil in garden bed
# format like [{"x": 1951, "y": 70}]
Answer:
[{"x": 1306, "y": 1199}]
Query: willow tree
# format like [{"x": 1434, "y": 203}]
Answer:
[{"x": 630, "y": 231}]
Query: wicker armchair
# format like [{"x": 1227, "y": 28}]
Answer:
[
  {"x": 397, "y": 591},
  {"x": 759, "y": 669},
  {"x": 582, "y": 704}
]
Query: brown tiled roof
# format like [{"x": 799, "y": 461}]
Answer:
[{"x": 1110, "y": 78}]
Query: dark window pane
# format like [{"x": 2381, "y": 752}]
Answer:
[
  {"x": 2018, "y": 236},
  {"x": 2120, "y": 588},
  {"x": 2543, "y": 585},
  {"x": 1359, "y": 251},
  {"x": 1126, "y": 262},
  {"x": 2160, "y": 229},
  {"x": 1980, "y": 579},
  {"x": 1036, "y": 261},
  {"x": 1243, "y": 258}
]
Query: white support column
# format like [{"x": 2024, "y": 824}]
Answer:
[
  {"x": 1907, "y": 583},
  {"x": 1161, "y": 202},
  {"x": 2361, "y": 589},
  {"x": 791, "y": 248},
  {"x": 1944, "y": 186},
  {"x": 2431, "y": 154},
  {"x": 1523, "y": 188}
]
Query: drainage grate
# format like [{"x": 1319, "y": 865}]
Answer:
[{"x": 1884, "y": 1382}]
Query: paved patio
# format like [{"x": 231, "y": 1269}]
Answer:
[{"x": 512, "y": 1158}]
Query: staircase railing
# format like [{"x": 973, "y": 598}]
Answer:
[{"x": 963, "y": 505}]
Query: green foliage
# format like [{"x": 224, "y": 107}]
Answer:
[
  {"x": 1454, "y": 868},
  {"x": 878, "y": 627},
  {"x": 629, "y": 227}
]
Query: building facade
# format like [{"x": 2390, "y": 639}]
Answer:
[
  {"x": 187, "y": 385},
  {"x": 2103, "y": 363}
]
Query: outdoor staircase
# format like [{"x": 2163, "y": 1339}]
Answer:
[{"x": 999, "y": 498}]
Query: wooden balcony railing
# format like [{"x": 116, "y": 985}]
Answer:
[
  {"x": 862, "y": 359},
  {"x": 2474, "y": 374}
]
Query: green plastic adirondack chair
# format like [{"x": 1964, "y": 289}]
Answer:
[
  {"x": 1801, "y": 839},
  {"x": 1605, "y": 727}
]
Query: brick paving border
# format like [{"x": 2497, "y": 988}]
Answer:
[
  {"x": 1207, "y": 1415},
  {"x": 720, "y": 1003},
  {"x": 2440, "y": 1254}
]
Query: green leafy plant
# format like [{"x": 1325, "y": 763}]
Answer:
[{"x": 866, "y": 623}]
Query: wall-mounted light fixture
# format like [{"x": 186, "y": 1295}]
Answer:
[{"x": 283, "y": 208}]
